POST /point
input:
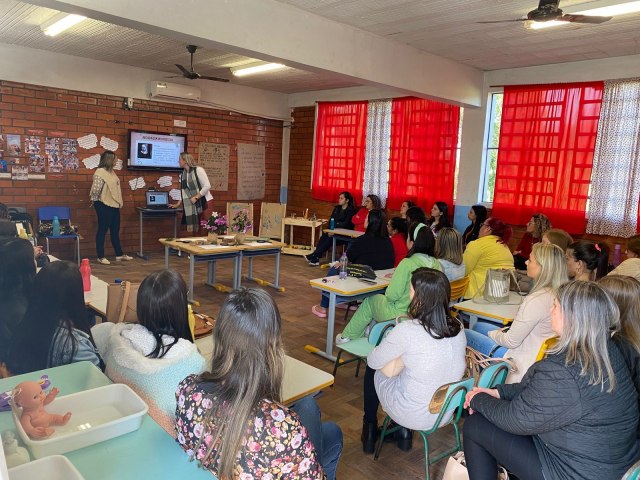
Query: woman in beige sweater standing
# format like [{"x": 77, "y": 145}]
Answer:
[
  {"x": 522, "y": 340},
  {"x": 106, "y": 198}
]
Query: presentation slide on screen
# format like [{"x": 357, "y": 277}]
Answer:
[{"x": 154, "y": 150}]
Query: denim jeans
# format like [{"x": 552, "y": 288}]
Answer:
[
  {"x": 324, "y": 300},
  {"x": 479, "y": 339},
  {"x": 325, "y": 436}
]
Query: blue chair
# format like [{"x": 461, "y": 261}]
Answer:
[
  {"x": 453, "y": 404},
  {"x": 46, "y": 214},
  {"x": 493, "y": 375},
  {"x": 360, "y": 348}
]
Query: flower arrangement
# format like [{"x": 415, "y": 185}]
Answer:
[
  {"x": 241, "y": 222},
  {"x": 217, "y": 223}
]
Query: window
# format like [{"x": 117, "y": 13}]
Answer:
[{"x": 491, "y": 146}]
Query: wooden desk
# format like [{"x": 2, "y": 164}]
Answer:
[
  {"x": 341, "y": 234},
  {"x": 500, "y": 313},
  {"x": 340, "y": 291},
  {"x": 300, "y": 379},
  {"x": 155, "y": 213},
  {"x": 213, "y": 253},
  {"x": 149, "y": 452},
  {"x": 299, "y": 222}
]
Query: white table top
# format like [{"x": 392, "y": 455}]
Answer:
[
  {"x": 504, "y": 312},
  {"x": 300, "y": 379},
  {"x": 96, "y": 298},
  {"x": 344, "y": 232},
  {"x": 351, "y": 285}
]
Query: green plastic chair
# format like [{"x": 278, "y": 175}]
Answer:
[
  {"x": 633, "y": 473},
  {"x": 360, "y": 348},
  {"x": 453, "y": 403},
  {"x": 493, "y": 375}
]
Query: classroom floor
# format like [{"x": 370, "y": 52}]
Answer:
[{"x": 341, "y": 403}]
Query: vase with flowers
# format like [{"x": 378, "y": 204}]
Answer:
[
  {"x": 215, "y": 225},
  {"x": 241, "y": 224}
]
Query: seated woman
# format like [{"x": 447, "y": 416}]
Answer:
[
  {"x": 536, "y": 227},
  {"x": 449, "y": 253},
  {"x": 397, "y": 228},
  {"x": 587, "y": 261},
  {"x": 372, "y": 202},
  {"x": 341, "y": 215},
  {"x": 439, "y": 217},
  {"x": 55, "y": 329},
  {"x": 152, "y": 357},
  {"x": 625, "y": 291},
  {"x": 395, "y": 300},
  {"x": 574, "y": 414},
  {"x": 432, "y": 349},
  {"x": 477, "y": 214},
  {"x": 521, "y": 341},
  {"x": 374, "y": 248},
  {"x": 406, "y": 205},
  {"x": 631, "y": 266},
  {"x": 231, "y": 420},
  {"x": 557, "y": 236},
  {"x": 489, "y": 251},
  {"x": 16, "y": 276}
]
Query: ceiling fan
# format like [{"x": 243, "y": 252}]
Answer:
[
  {"x": 190, "y": 74},
  {"x": 549, "y": 10}
]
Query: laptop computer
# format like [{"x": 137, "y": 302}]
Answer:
[{"x": 157, "y": 199}]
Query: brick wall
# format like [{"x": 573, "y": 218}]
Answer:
[{"x": 29, "y": 107}]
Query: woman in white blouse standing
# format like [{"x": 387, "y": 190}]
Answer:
[
  {"x": 194, "y": 185},
  {"x": 106, "y": 198}
]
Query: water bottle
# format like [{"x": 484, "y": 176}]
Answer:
[
  {"x": 343, "y": 265},
  {"x": 332, "y": 223},
  {"x": 616, "y": 255},
  {"x": 85, "y": 271},
  {"x": 56, "y": 226}
]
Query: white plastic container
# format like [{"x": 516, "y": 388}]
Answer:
[
  {"x": 55, "y": 467},
  {"x": 97, "y": 415}
]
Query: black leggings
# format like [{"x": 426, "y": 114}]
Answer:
[
  {"x": 486, "y": 446},
  {"x": 108, "y": 219},
  {"x": 371, "y": 401}
]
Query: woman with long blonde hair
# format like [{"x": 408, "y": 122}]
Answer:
[
  {"x": 522, "y": 340},
  {"x": 574, "y": 415},
  {"x": 226, "y": 418}
]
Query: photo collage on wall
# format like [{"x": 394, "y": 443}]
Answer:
[{"x": 24, "y": 156}]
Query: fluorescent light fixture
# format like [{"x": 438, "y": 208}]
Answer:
[
  {"x": 253, "y": 68},
  {"x": 610, "y": 11},
  {"x": 60, "y": 22}
]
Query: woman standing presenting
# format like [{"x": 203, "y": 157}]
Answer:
[
  {"x": 106, "y": 198},
  {"x": 194, "y": 185}
]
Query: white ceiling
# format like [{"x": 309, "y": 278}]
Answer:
[{"x": 443, "y": 27}]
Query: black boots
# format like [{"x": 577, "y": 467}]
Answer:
[
  {"x": 369, "y": 436},
  {"x": 404, "y": 437}
]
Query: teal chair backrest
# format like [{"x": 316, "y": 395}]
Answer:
[
  {"x": 633, "y": 473},
  {"x": 379, "y": 331},
  {"x": 455, "y": 395},
  {"x": 493, "y": 375}
]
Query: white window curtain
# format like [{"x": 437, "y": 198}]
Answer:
[
  {"x": 615, "y": 180},
  {"x": 376, "y": 162}
]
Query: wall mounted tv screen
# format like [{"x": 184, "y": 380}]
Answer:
[{"x": 155, "y": 151}]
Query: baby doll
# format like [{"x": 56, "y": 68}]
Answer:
[{"x": 35, "y": 419}]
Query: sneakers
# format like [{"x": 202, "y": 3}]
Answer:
[
  {"x": 340, "y": 339},
  {"x": 311, "y": 260},
  {"x": 123, "y": 258},
  {"x": 103, "y": 261}
]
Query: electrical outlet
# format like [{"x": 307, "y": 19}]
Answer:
[{"x": 129, "y": 103}]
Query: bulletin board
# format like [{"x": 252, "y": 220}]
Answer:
[
  {"x": 235, "y": 207},
  {"x": 271, "y": 215}
]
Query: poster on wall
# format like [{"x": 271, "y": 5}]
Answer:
[
  {"x": 36, "y": 164},
  {"x": 251, "y": 171},
  {"x": 52, "y": 152},
  {"x": 70, "y": 160},
  {"x": 19, "y": 172},
  {"x": 13, "y": 146},
  {"x": 32, "y": 145},
  {"x": 214, "y": 158}
]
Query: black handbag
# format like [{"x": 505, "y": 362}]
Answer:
[{"x": 357, "y": 270}]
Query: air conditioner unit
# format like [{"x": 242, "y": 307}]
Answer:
[{"x": 173, "y": 91}]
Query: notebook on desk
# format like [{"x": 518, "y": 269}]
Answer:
[{"x": 157, "y": 199}]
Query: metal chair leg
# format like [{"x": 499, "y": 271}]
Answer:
[{"x": 337, "y": 363}]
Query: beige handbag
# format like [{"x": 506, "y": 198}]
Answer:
[
  {"x": 393, "y": 368},
  {"x": 122, "y": 302},
  {"x": 457, "y": 469}
]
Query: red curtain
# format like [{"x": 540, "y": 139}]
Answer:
[
  {"x": 547, "y": 140},
  {"x": 341, "y": 132},
  {"x": 422, "y": 161}
]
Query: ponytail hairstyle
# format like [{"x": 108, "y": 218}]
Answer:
[
  {"x": 594, "y": 255},
  {"x": 423, "y": 240}
]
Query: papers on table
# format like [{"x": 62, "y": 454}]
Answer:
[{"x": 214, "y": 247}]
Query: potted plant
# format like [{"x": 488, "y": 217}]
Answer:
[
  {"x": 241, "y": 224},
  {"x": 215, "y": 225}
]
